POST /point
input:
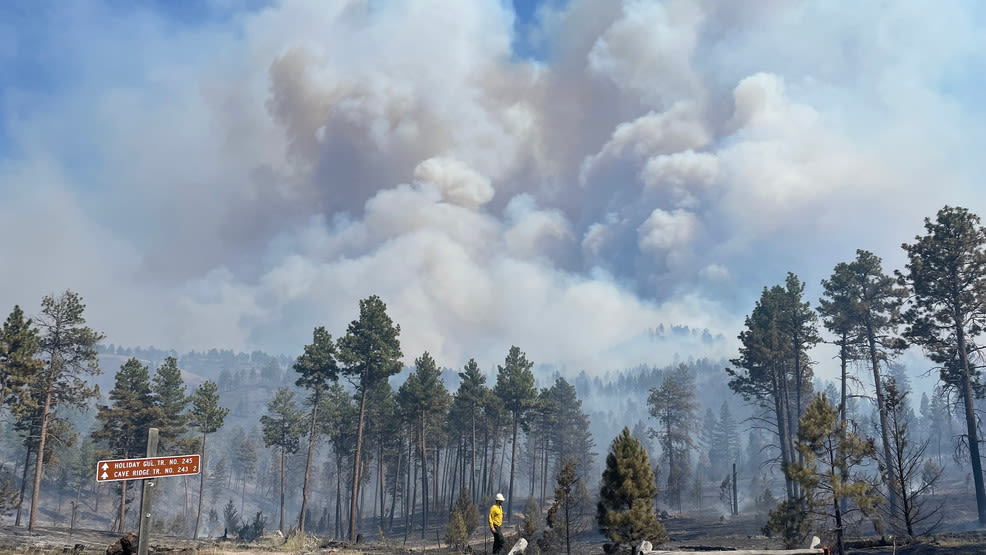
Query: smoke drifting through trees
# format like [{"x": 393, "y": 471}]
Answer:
[{"x": 444, "y": 436}]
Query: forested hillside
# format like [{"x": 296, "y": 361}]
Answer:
[{"x": 354, "y": 437}]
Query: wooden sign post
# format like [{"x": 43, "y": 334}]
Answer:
[{"x": 147, "y": 470}]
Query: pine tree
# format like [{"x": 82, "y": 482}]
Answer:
[
  {"x": 245, "y": 463},
  {"x": 318, "y": 368},
  {"x": 370, "y": 353},
  {"x": 673, "y": 405},
  {"x": 571, "y": 439},
  {"x": 283, "y": 427},
  {"x": 870, "y": 305},
  {"x": 773, "y": 369},
  {"x": 946, "y": 272},
  {"x": 425, "y": 400},
  {"x": 828, "y": 469},
  {"x": 208, "y": 417},
  {"x": 68, "y": 349},
  {"x": 515, "y": 387},
  {"x": 625, "y": 512},
  {"x": 168, "y": 392},
  {"x": 126, "y": 421},
  {"x": 466, "y": 409},
  {"x": 567, "y": 515},
  {"x": 19, "y": 365}
]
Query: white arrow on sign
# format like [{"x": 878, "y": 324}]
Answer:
[
  {"x": 105, "y": 466},
  {"x": 105, "y": 475}
]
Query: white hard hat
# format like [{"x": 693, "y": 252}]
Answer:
[{"x": 499, "y": 497}]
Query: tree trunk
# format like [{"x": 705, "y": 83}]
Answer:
[
  {"x": 513, "y": 459},
  {"x": 338, "y": 523},
  {"x": 492, "y": 458},
  {"x": 280, "y": 526},
  {"x": 472, "y": 477},
  {"x": 393, "y": 499},
  {"x": 202, "y": 468},
  {"x": 423, "y": 455},
  {"x": 20, "y": 498},
  {"x": 881, "y": 404},
  {"x": 353, "y": 508},
  {"x": 39, "y": 465},
  {"x": 781, "y": 417},
  {"x": 308, "y": 465},
  {"x": 972, "y": 430}
]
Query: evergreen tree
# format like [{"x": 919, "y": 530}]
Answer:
[
  {"x": 68, "y": 349},
  {"x": 625, "y": 512},
  {"x": 370, "y": 353},
  {"x": 82, "y": 473},
  {"x": 466, "y": 409},
  {"x": 126, "y": 421},
  {"x": 773, "y": 369},
  {"x": 515, "y": 388},
  {"x": 283, "y": 427},
  {"x": 673, "y": 405},
  {"x": 208, "y": 417},
  {"x": 339, "y": 424},
  {"x": 726, "y": 441},
  {"x": 19, "y": 365},
  {"x": 245, "y": 464},
  {"x": 318, "y": 368},
  {"x": 567, "y": 515},
  {"x": 870, "y": 304},
  {"x": 168, "y": 391},
  {"x": 571, "y": 438},
  {"x": 946, "y": 272},
  {"x": 828, "y": 471},
  {"x": 424, "y": 400}
]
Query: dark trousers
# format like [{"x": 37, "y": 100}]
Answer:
[{"x": 498, "y": 540}]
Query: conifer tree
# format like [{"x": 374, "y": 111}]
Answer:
[
  {"x": 571, "y": 439},
  {"x": 774, "y": 369},
  {"x": 625, "y": 512},
  {"x": 424, "y": 399},
  {"x": 19, "y": 365},
  {"x": 168, "y": 391},
  {"x": 318, "y": 368},
  {"x": 208, "y": 417},
  {"x": 126, "y": 421},
  {"x": 946, "y": 273},
  {"x": 515, "y": 388},
  {"x": 283, "y": 427},
  {"x": 466, "y": 409},
  {"x": 868, "y": 303},
  {"x": 673, "y": 405},
  {"x": 370, "y": 353},
  {"x": 567, "y": 515},
  {"x": 828, "y": 470},
  {"x": 68, "y": 349}
]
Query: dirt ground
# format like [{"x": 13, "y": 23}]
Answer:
[{"x": 686, "y": 534}]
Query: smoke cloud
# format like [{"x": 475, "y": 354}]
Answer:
[{"x": 236, "y": 178}]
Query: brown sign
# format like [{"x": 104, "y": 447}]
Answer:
[{"x": 151, "y": 467}]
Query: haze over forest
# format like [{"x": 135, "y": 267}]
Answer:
[
  {"x": 608, "y": 186},
  {"x": 558, "y": 175}
]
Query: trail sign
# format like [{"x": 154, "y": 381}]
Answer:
[{"x": 151, "y": 467}]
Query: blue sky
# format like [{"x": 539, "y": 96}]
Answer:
[{"x": 561, "y": 176}]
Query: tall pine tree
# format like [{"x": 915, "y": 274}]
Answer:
[{"x": 946, "y": 272}]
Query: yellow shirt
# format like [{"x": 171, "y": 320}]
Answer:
[{"x": 496, "y": 516}]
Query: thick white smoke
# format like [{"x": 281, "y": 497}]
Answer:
[{"x": 238, "y": 181}]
